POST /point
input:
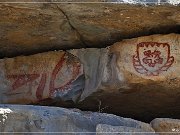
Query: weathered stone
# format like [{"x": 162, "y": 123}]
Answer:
[
  {"x": 151, "y": 61},
  {"x": 166, "y": 126},
  {"x": 29, "y": 79},
  {"x": 121, "y": 130},
  {"x": 137, "y": 77},
  {"x": 14, "y": 118},
  {"x": 29, "y": 28},
  {"x": 126, "y": 73}
]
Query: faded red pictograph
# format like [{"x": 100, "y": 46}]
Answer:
[
  {"x": 66, "y": 86},
  {"x": 24, "y": 79},
  {"x": 152, "y": 58}
]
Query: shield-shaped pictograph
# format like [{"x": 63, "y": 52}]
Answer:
[{"x": 152, "y": 58}]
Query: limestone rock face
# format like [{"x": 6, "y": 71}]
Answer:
[
  {"x": 166, "y": 125},
  {"x": 29, "y": 28},
  {"x": 14, "y": 118}
]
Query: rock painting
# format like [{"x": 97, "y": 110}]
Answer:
[
  {"x": 152, "y": 58},
  {"x": 55, "y": 80}
]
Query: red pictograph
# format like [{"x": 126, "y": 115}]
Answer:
[
  {"x": 54, "y": 73},
  {"x": 21, "y": 80},
  {"x": 57, "y": 69},
  {"x": 152, "y": 58},
  {"x": 41, "y": 86},
  {"x": 24, "y": 79}
]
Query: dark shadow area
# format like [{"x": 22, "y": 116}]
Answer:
[{"x": 143, "y": 103}]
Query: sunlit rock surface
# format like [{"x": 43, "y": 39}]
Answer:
[
  {"x": 166, "y": 126},
  {"x": 29, "y": 28},
  {"x": 30, "y": 79},
  {"x": 14, "y": 118},
  {"x": 116, "y": 130}
]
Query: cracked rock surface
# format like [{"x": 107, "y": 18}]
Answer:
[
  {"x": 21, "y": 119},
  {"x": 24, "y": 118},
  {"x": 137, "y": 77},
  {"x": 33, "y": 28}
]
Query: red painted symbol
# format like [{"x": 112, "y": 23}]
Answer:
[
  {"x": 21, "y": 80},
  {"x": 152, "y": 58},
  {"x": 41, "y": 86},
  {"x": 75, "y": 71}
]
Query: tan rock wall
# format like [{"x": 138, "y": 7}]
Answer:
[
  {"x": 28, "y": 79},
  {"x": 142, "y": 69},
  {"x": 151, "y": 59},
  {"x": 38, "y": 27}
]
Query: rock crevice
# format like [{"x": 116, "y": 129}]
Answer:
[
  {"x": 120, "y": 76},
  {"x": 80, "y": 37},
  {"x": 34, "y": 28}
]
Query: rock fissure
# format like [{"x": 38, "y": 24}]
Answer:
[
  {"x": 115, "y": 79},
  {"x": 24, "y": 31},
  {"x": 80, "y": 37}
]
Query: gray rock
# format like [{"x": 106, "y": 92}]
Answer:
[
  {"x": 121, "y": 130},
  {"x": 30, "y": 118},
  {"x": 166, "y": 126}
]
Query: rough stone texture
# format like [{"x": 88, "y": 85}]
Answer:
[
  {"x": 132, "y": 80},
  {"x": 29, "y": 79},
  {"x": 166, "y": 126},
  {"x": 151, "y": 61},
  {"x": 119, "y": 130},
  {"x": 14, "y": 118},
  {"x": 137, "y": 77},
  {"x": 29, "y": 28},
  {"x": 140, "y": 2}
]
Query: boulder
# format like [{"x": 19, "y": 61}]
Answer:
[
  {"x": 27, "y": 118},
  {"x": 120, "y": 130},
  {"x": 29, "y": 28},
  {"x": 166, "y": 126}
]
